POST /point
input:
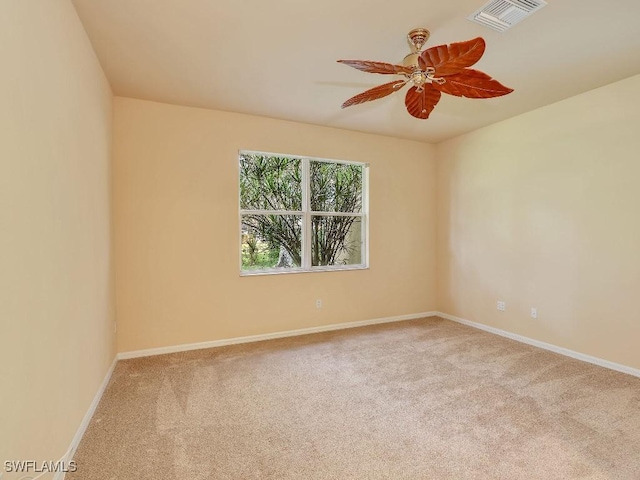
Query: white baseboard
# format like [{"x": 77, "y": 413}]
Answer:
[
  {"x": 268, "y": 336},
  {"x": 546, "y": 346},
  {"x": 323, "y": 328},
  {"x": 85, "y": 421}
]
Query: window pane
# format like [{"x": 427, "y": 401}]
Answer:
[
  {"x": 270, "y": 183},
  {"x": 271, "y": 241},
  {"x": 336, "y": 240},
  {"x": 336, "y": 187}
]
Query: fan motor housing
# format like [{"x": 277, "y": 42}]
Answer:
[{"x": 411, "y": 61}]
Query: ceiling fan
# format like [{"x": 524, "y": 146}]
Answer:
[{"x": 432, "y": 72}]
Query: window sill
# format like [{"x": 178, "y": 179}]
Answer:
[{"x": 253, "y": 273}]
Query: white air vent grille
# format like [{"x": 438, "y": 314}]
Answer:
[{"x": 501, "y": 15}]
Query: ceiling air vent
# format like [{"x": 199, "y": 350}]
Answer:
[{"x": 501, "y": 15}]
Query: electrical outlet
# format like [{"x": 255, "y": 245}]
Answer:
[
  {"x": 502, "y": 306},
  {"x": 534, "y": 312},
  {"x": 318, "y": 303}
]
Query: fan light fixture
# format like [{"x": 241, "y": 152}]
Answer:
[{"x": 437, "y": 70}]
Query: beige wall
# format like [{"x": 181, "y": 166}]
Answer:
[
  {"x": 56, "y": 309},
  {"x": 176, "y": 228},
  {"x": 542, "y": 211}
]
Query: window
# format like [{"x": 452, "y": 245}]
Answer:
[{"x": 301, "y": 214}]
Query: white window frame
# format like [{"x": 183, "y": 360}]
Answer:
[{"x": 306, "y": 214}]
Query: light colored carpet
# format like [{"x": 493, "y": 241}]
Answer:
[{"x": 423, "y": 399}]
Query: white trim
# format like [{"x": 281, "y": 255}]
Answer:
[
  {"x": 546, "y": 346},
  {"x": 336, "y": 214},
  {"x": 322, "y": 268},
  {"x": 301, "y": 157},
  {"x": 269, "y": 336},
  {"x": 85, "y": 421},
  {"x": 291, "y": 213},
  {"x": 305, "y": 241},
  {"x": 364, "y": 223}
]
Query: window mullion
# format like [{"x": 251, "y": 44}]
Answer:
[
  {"x": 306, "y": 208},
  {"x": 337, "y": 214},
  {"x": 270, "y": 212}
]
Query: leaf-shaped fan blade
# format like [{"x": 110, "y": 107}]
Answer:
[
  {"x": 421, "y": 104},
  {"x": 375, "y": 93},
  {"x": 453, "y": 58},
  {"x": 377, "y": 67},
  {"x": 472, "y": 84}
]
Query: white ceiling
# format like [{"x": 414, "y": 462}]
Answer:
[{"x": 277, "y": 58}]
